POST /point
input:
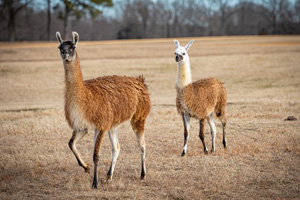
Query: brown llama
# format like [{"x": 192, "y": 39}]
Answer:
[
  {"x": 102, "y": 104},
  {"x": 199, "y": 99}
]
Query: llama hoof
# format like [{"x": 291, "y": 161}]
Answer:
[
  {"x": 108, "y": 179},
  {"x": 183, "y": 154},
  {"x": 224, "y": 143},
  {"x": 143, "y": 177},
  {"x": 143, "y": 174},
  {"x": 87, "y": 169},
  {"x": 94, "y": 185},
  {"x": 212, "y": 150},
  {"x": 205, "y": 151}
]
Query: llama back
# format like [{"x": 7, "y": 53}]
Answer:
[
  {"x": 112, "y": 99},
  {"x": 222, "y": 101},
  {"x": 201, "y": 98},
  {"x": 144, "y": 104}
]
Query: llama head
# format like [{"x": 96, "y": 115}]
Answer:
[
  {"x": 181, "y": 52},
  {"x": 67, "y": 48}
]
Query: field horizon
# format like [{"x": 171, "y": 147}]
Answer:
[{"x": 261, "y": 76}]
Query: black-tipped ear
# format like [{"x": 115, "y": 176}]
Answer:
[
  {"x": 189, "y": 45},
  {"x": 58, "y": 37},
  {"x": 177, "y": 43},
  {"x": 75, "y": 38}
]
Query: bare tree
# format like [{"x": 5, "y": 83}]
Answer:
[
  {"x": 143, "y": 9},
  {"x": 246, "y": 18},
  {"x": 48, "y": 19},
  {"x": 223, "y": 14},
  {"x": 278, "y": 14},
  {"x": 270, "y": 13},
  {"x": 129, "y": 21},
  {"x": 242, "y": 11},
  {"x": 147, "y": 18},
  {"x": 79, "y": 8},
  {"x": 297, "y": 11},
  {"x": 13, "y": 7}
]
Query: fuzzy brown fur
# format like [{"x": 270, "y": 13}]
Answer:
[
  {"x": 102, "y": 104},
  {"x": 201, "y": 98},
  {"x": 105, "y": 101}
]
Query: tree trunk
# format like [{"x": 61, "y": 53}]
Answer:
[
  {"x": 242, "y": 12},
  {"x": 66, "y": 14},
  {"x": 274, "y": 20},
  {"x": 49, "y": 20},
  {"x": 11, "y": 24}
]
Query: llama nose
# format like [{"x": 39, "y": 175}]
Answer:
[{"x": 178, "y": 58}]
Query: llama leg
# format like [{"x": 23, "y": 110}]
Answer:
[
  {"x": 77, "y": 135},
  {"x": 138, "y": 128},
  {"x": 201, "y": 134},
  {"x": 212, "y": 130},
  {"x": 186, "y": 124},
  {"x": 223, "y": 120},
  {"x": 224, "y": 132},
  {"x": 97, "y": 144},
  {"x": 142, "y": 145},
  {"x": 113, "y": 136}
]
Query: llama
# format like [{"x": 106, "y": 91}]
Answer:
[
  {"x": 102, "y": 104},
  {"x": 198, "y": 99}
]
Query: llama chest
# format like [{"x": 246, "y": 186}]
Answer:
[
  {"x": 180, "y": 103},
  {"x": 76, "y": 116},
  {"x": 195, "y": 105}
]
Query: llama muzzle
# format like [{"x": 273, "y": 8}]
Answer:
[{"x": 178, "y": 58}]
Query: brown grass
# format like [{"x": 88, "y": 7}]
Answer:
[{"x": 261, "y": 75}]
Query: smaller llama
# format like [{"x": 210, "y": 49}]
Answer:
[
  {"x": 102, "y": 104},
  {"x": 199, "y": 99}
]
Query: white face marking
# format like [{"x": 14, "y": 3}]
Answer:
[
  {"x": 181, "y": 51},
  {"x": 184, "y": 76}
]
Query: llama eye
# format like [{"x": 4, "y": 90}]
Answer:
[{"x": 183, "y": 53}]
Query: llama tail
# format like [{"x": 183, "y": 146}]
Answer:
[{"x": 142, "y": 79}]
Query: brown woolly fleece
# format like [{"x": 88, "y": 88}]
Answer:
[
  {"x": 104, "y": 102},
  {"x": 201, "y": 98}
]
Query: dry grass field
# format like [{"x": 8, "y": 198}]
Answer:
[{"x": 262, "y": 78}]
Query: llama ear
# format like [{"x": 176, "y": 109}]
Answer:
[
  {"x": 177, "y": 43},
  {"x": 58, "y": 37},
  {"x": 75, "y": 38},
  {"x": 189, "y": 45}
]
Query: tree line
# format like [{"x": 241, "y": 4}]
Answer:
[{"x": 128, "y": 19}]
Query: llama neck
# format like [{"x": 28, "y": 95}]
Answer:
[
  {"x": 184, "y": 76},
  {"x": 73, "y": 78}
]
